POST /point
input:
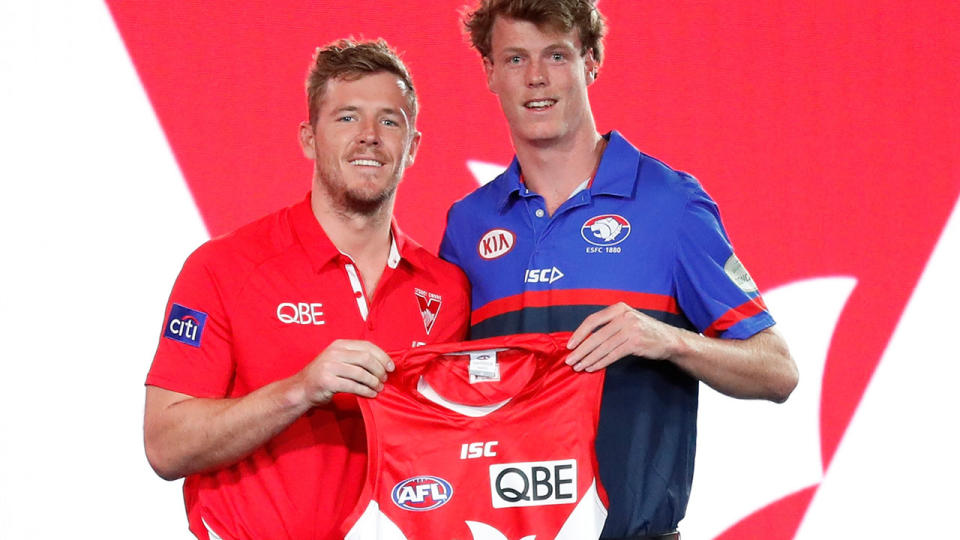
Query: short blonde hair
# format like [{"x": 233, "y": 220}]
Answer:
[{"x": 351, "y": 60}]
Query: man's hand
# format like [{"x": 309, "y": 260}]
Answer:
[
  {"x": 184, "y": 434},
  {"x": 758, "y": 367},
  {"x": 351, "y": 366},
  {"x": 618, "y": 331}
]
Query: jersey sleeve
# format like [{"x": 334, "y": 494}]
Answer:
[
  {"x": 194, "y": 353},
  {"x": 714, "y": 290},
  {"x": 448, "y": 247}
]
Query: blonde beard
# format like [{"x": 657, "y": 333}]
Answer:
[{"x": 359, "y": 202}]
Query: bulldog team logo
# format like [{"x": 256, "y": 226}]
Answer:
[
  {"x": 429, "y": 307},
  {"x": 605, "y": 230}
]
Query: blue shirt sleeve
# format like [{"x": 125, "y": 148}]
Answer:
[{"x": 714, "y": 290}]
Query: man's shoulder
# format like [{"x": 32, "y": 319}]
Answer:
[
  {"x": 248, "y": 246},
  {"x": 436, "y": 269},
  {"x": 660, "y": 181},
  {"x": 487, "y": 196}
]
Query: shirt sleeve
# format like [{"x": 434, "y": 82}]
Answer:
[
  {"x": 714, "y": 290},
  {"x": 194, "y": 353},
  {"x": 448, "y": 250}
]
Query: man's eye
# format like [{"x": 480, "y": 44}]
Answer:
[
  {"x": 514, "y": 59},
  {"x": 346, "y": 118},
  {"x": 389, "y": 122},
  {"x": 557, "y": 57}
]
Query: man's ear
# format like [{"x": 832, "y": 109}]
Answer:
[
  {"x": 414, "y": 146},
  {"x": 591, "y": 67},
  {"x": 306, "y": 140},
  {"x": 488, "y": 71}
]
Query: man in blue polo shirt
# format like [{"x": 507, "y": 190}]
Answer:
[{"x": 585, "y": 233}]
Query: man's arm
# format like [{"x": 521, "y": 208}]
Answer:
[
  {"x": 756, "y": 367},
  {"x": 185, "y": 435}
]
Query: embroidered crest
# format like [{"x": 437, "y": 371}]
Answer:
[{"x": 429, "y": 307}]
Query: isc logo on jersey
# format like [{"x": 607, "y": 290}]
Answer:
[
  {"x": 422, "y": 493},
  {"x": 535, "y": 483},
  {"x": 496, "y": 243},
  {"x": 185, "y": 325},
  {"x": 605, "y": 230}
]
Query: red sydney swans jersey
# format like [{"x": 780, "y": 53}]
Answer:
[{"x": 483, "y": 440}]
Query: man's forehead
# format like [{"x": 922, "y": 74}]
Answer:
[
  {"x": 506, "y": 30},
  {"x": 375, "y": 77},
  {"x": 356, "y": 87}
]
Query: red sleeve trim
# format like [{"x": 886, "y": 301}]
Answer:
[
  {"x": 573, "y": 297},
  {"x": 744, "y": 311}
]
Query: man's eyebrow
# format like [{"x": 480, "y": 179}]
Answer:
[
  {"x": 555, "y": 45},
  {"x": 511, "y": 50}
]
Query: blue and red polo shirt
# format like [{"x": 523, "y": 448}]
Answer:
[{"x": 639, "y": 233}]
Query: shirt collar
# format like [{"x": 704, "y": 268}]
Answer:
[
  {"x": 616, "y": 175},
  {"x": 321, "y": 251}
]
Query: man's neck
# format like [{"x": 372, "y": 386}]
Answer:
[
  {"x": 365, "y": 238},
  {"x": 553, "y": 169}
]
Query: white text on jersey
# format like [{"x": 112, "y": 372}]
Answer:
[
  {"x": 477, "y": 449},
  {"x": 300, "y": 313}
]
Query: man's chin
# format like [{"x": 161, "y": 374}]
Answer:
[{"x": 366, "y": 203}]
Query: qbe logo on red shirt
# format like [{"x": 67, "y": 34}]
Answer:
[
  {"x": 535, "y": 483},
  {"x": 422, "y": 493},
  {"x": 185, "y": 325}
]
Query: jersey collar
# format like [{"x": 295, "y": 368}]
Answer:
[
  {"x": 321, "y": 251},
  {"x": 616, "y": 175}
]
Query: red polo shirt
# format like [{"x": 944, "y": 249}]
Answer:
[{"x": 256, "y": 306}]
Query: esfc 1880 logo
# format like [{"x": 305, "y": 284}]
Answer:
[
  {"x": 421, "y": 493},
  {"x": 604, "y": 232}
]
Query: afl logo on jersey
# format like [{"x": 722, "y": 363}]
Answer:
[
  {"x": 605, "y": 230},
  {"x": 422, "y": 493},
  {"x": 496, "y": 243}
]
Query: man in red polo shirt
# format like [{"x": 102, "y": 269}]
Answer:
[{"x": 273, "y": 330}]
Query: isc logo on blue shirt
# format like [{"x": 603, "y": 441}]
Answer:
[
  {"x": 605, "y": 230},
  {"x": 185, "y": 325}
]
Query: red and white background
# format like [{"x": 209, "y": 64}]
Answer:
[{"x": 829, "y": 132}]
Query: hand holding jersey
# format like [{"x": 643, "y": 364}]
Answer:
[
  {"x": 351, "y": 366},
  {"x": 748, "y": 368},
  {"x": 618, "y": 331}
]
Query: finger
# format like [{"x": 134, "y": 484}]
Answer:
[
  {"x": 613, "y": 356},
  {"x": 601, "y": 351},
  {"x": 372, "y": 350},
  {"x": 352, "y": 387},
  {"x": 590, "y": 343},
  {"x": 592, "y": 323},
  {"x": 370, "y": 374}
]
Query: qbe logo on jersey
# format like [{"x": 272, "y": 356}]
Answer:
[
  {"x": 185, "y": 325},
  {"x": 421, "y": 493},
  {"x": 534, "y": 483}
]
